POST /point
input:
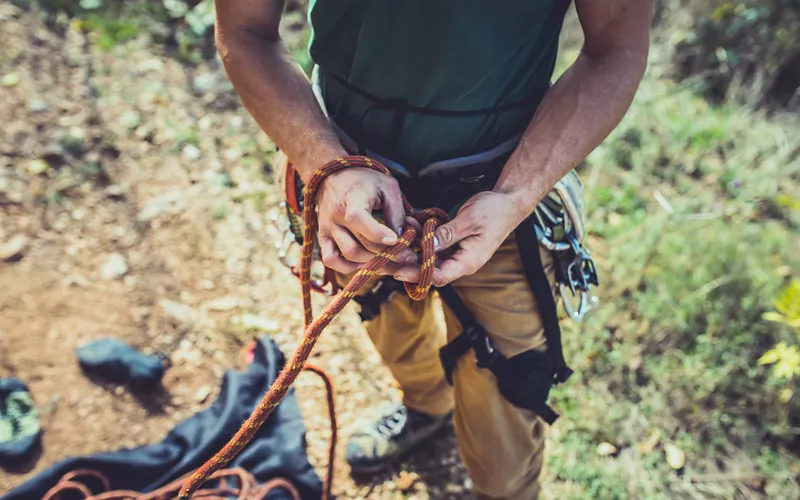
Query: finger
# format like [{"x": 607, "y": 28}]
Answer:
[
  {"x": 462, "y": 263},
  {"x": 408, "y": 274},
  {"x": 393, "y": 210},
  {"x": 331, "y": 257},
  {"x": 359, "y": 220},
  {"x": 349, "y": 247},
  {"x": 405, "y": 256},
  {"x": 454, "y": 231}
]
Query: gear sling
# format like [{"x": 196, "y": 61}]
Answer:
[{"x": 524, "y": 380}]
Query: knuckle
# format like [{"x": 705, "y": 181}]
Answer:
[
  {"x": 349, "y": 250},
  {"x": 341, "y": 206},
  {"x": 352, "y": 216},
  {"x": 447, "y": 234}
]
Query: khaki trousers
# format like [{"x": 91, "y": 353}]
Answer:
[{"x": 501, "y": 445}]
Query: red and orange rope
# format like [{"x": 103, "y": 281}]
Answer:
[{"x": 430, "y": 219}]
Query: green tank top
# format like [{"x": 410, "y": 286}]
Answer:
[{"x": 452, "y": 55}]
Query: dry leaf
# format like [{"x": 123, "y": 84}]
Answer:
[
  {"x": 606, "y": 449},
  {"x": 648, "y": 445},
  {"x": 676, "y": 458}
]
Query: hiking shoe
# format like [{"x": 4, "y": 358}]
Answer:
[
  {"x": 19, "y": 421},
  {"x": 386, "y": 441}
]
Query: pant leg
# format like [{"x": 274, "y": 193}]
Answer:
[
  {"x": 502, "y": 446},
  {"x": 407, "y": 335}
]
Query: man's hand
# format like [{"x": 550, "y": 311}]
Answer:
[
  {"x": 479, "y": 228},
  {"x": 348, "y": 233}
]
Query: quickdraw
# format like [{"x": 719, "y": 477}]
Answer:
[
  {"x": 289, "y": 223},
  {"x": 558, "y": 221}
]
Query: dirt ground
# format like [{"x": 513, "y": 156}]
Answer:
[{"x": 131, "y": 156}]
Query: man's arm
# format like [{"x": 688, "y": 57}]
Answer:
[
  {"x": 278, "y": 95},
  {"x": 577, "y": 114}
]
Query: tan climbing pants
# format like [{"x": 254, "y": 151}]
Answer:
[{"x": 501, "y": 445}]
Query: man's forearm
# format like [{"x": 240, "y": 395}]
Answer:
[
  {"x": 578, "y": 113},
  {"x": 278, "y": 95}
]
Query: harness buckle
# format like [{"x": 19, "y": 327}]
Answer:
[{"x": 485, "y": 353}]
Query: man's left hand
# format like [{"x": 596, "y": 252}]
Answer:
[{"x": 479, "y": 228}]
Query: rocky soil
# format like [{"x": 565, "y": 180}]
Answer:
[{"x": 136, "y": 199}]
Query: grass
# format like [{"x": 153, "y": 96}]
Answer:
[{"x": 693, "y": 242}]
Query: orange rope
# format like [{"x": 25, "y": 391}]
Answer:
[{"x": 430, "y": 219}]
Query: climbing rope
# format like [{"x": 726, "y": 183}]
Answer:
[
  {"x": 234, "y": 483},
  {"x": 430, "y": 219}
]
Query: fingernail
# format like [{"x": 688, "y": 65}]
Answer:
[
  {"x": 435, "y": 243},
  {"x": 411, "y": 259},
  {"x": 401, "y": 278},
  {"x": 399, "y": 231},
  {"x": 390, "y": 240}
]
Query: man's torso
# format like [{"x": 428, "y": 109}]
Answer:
[{"x": 446, "y": 54}]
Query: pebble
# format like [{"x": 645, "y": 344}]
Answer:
[
  {"x": 114, "y": 268},
  {"x": 75, "y": 280},
  {"x": 192, "y": 152},
  {"x": 181, "y": 313},
  {"x": 202, "y": 394},
  {"x": 222, "y": 304},
  {"x": 36, "y": 167},
  {"x": 171, "y": 202},
  {"x": 14, "y": 248},
  {"x": 114, "y": 191},
  {"x": 406, "y": 481},
  {"x": 606, "y": 449}
]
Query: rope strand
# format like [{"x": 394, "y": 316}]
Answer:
[{"x": 430, "y": 219}]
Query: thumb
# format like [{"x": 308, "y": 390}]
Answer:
[{"x": 451, "y": 233}]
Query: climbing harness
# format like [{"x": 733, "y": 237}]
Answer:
[{"x": 429, "y": 219}]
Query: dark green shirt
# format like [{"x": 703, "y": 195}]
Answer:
[{"x": 444, "y": 54}]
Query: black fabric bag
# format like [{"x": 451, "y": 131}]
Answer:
[{"x": 278, "y": 450}]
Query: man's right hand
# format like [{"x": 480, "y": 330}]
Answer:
[{"x": 348, "y": 233}]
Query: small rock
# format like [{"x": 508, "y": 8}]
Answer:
[
  {"x": 171, "y": 202},
  {"x": 9, "y": 80},
  {"x": 37, "y": 167},
  {"x": 192, "y": 152},
  {"x": 606, "y": 449},
  {"x": 114, "y": 191},
  {"x": 13, "y": 249},
  {"x": 37, "y": 105},
  {"x": 186, "y": 353},
  {"x": 130, "y": 119},
  {"x": 78, "y": 214},
  {"x": 205, "y": 123},
  {"x": 202, "y": 394},
  {"x": 207, "y": 285},
  {"x": 453, "y": 488},
  {"x": 75, "y": 280},
  {"x": 115, "y": 267},
  {"x": 222, "y": 304},
  {"x": 253, "y": 322},
  {"x": 676, "y": 458},
  {"x": 181, "y": 313},
  {"x": 204, "y": 82},
  {"x": 406, "y": 481}
]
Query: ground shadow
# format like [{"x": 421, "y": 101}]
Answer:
[{"x": 438, "y": 467}]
